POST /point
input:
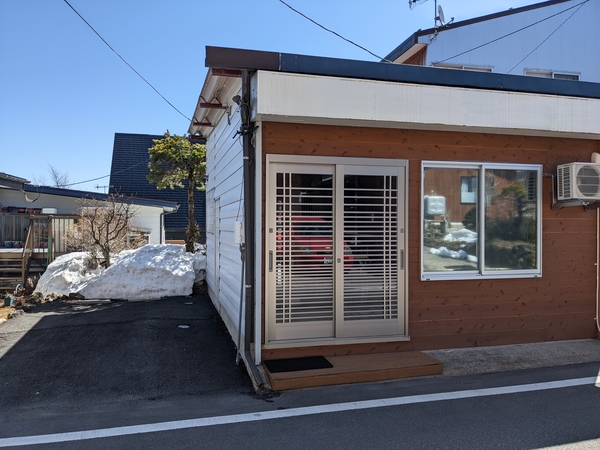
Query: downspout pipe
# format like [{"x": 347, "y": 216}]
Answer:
[
  {"x": 162, "y": 223},
  {"x": 247, "y": 132}
]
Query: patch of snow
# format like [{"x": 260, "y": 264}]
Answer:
[
  {"x": 150, "y": 272},
  {"x": 462, "y": 235},
  {"x": 460, "y": 254},
  {"x": 443, "y": 251},
  {"x": 199, "y": 263}
]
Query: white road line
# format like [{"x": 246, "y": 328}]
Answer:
[{"x": 285, "y": 413}]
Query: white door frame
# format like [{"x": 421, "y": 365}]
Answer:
[{"x": 339, "y": 338}]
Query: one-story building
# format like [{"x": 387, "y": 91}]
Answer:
[
  {"x": 33, "y": 221},
  {"x": 393, "y": 208}
]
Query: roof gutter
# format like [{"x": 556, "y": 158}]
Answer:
[{"x": 12, "y": 182}]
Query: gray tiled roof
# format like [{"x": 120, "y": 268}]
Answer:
[{"x": 128, "y": 174}]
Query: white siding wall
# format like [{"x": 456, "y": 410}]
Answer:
[
  {"x": 572, "y": 48},
  {"x": 224, "y": 164},
  {"x": 148, "y": 218}
]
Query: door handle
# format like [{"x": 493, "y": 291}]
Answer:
[
  {"x": 271, "y": 261},
  {"x": 401, "y": 259}
]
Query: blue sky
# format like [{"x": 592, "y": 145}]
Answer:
[{"x": 64, "y": 93}]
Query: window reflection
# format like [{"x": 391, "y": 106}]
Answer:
[
  {"x": 450, "y": 219},
  {"x": 511, "y": 221},
  {"x": 456, "y": 200}
]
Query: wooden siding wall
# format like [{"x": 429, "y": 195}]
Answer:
[
  {"x": 418, "y": 59},
  {"x": 454, "y": 314}
]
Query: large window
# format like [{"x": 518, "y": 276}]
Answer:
[{"x": 480, "y": 220}]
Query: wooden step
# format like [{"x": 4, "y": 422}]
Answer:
[
  {"x": 359, "y": 369},
  {"x": 8, "y": 284}
]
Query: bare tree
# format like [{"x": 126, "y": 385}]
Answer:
[
  {"x": 59, "y": 179},
  {"x": 40, "y": 180},
  {"x": 105, "y": 227}
]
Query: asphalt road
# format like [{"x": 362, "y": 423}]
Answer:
[
  {"x": 129, "y": 373},
  {"x": 88, "y": 360}
]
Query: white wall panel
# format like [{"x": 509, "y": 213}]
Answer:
[
  {"x": 330, "y": 100},
  {"x": 550, "y": 44},
  {"x": 224, "y": 163}
]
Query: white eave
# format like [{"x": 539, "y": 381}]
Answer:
[
  {"x": 413, "y": 50},
  {"x": 216, "y": 91},
  {"x": 300, "y": 98}
]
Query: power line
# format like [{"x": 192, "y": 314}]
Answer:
[
  {"x": 510, "y": 34},
  {"x": 549, "y": 36},
  {"x": 105, "y": 176},
  {"x": 333, "y": 32},
  {"x": 129, "y": 65}
]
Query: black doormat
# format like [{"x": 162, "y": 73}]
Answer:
[{"x": 297, "y": 364}]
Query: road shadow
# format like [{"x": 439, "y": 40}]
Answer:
[{"x": 72, "y": 353}]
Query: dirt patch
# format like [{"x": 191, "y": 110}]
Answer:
[{"x": 5, "y": 311}]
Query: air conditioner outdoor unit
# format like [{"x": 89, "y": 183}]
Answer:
[{"x": 579, "y": 181}]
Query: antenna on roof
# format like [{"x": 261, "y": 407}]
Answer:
[
  {"x": 439, "y": 17},
  {"x": 103, "y": 187},
  {"x": 413, "y": 3}
]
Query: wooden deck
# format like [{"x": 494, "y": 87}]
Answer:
[{"x": 359, "y": 369}]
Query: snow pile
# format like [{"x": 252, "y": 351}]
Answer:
[
  {"x": 460, "y": 254},
  {"x": 150, "y": 272},
  {"x": 462, "y": 235},
  {"x": 443, "y": 251},
  {"x": 66, "y": 274}
]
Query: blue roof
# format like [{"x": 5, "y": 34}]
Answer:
[
  {"x": 73, "y": 193},
  {"x": 11, "y": 181},
  {"x": 128, "y": 176}
]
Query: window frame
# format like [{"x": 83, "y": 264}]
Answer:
[
  {"x": 471, "y": 68},
  {"x": 556, "y": 75},
  {"x": 482, "y": 272},
  {"x": 469, "y": 184}
]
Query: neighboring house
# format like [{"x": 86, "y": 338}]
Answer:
[
  {"x": 36, "y": 217},
  {"x": 442, "y": 227},
  {"x": 552, "y": 39},
  {"x": 128, "y": 176}
]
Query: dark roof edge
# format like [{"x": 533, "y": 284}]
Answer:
[
  {"x": 404, "y": 47},
  {"x": 401, "y": 73},
  {"x": 73, "y": 193},
  {"x": 153, "y": 136},
  {"x": 394, "y": 54},
  {"x": 12, "y": 181},
  {"x": 233, "y": 58}
]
